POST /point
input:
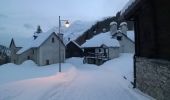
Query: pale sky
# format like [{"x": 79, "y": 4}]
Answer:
[{"x": 19, "y": 18}]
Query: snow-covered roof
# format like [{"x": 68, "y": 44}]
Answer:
[
  {"x": 74, "y": 31},
  {"x": 74, "y": 43},
  {"x": 113, "y": 23},
  {"x": 101, "y": 39},
  {"x": 38, "y": 41},
  {"x": 130, "y": 35},
  {"x": 20, "y": 42},
  {"x": 123, "y": 23},
  {"x": 36, "y": 34},
  {"x": 129, "y": 3}
]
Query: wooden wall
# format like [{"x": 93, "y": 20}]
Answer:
[
  {"x": 73, "y": 50},
  {"x": 152, "y": 26}
]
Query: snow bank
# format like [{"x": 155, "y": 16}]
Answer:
[
  {"x": 83, "y": 82},
  {"x": 121, "y": 68},
  {"x": 37, "y": 89},
  {"x": 28, "y": 70},
  {"x": 28, "y": 63}
]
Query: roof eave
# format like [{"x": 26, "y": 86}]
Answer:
[{"x": 129, "y": 12}]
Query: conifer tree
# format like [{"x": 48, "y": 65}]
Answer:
[{"x": 39, "y": 30}]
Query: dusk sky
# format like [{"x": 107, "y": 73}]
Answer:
[{"x": 19, "y": 18}]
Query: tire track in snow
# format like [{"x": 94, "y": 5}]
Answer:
[
  {"x": 98, "y": 83},
  {"x": 57, "y": 90}
]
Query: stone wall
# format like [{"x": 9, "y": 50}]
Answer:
[
  {"x": 24, "y": 56},
  {"x": 153, "y": 77}
]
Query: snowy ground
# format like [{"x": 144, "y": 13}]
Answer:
[{"x": 78, "y": 81}]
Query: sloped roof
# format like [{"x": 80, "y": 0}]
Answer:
[
  {"x": 74, "y": 43},
  {"x": 20, "y": 42},
  {"x": 129, "y": 36},
  {"x": 130, "y": 8},
  {"x": 38, "y": 41},
  {"x": 128, "y": 4},
  {"x": 101, "y": 39}
]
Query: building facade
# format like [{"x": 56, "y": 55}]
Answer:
[
  {"x": 100, "y": 48},
  {"x": 152, "y": 50},
  {"x": 73, "y": 50},
  {"x": 124, "y": 36},
  {"x": 44, "y": 50}
]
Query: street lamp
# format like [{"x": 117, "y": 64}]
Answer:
[{"x": 67, "y": 24}]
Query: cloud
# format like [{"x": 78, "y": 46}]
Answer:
[
  {"x": 2, "y": 28},
  {"x": 28, "y": 26},
  {"x": 21, "y": 17},
  {"x": 3, "y": 16}
]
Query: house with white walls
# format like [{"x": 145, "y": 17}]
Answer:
[{"x": 47, "y": 48}]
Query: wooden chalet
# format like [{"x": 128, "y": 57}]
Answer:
[
  {"x": 100, "y": 48},
  {"x": 73, "y": 50},
  {"x": 152, "y": 45}
]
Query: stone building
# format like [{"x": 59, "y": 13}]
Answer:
[
  {"x": 43, "y": 50},
  {"x": 152, "y": 46},
  {"x": 124, "y": 36}
]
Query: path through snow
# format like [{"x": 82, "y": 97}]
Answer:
[{"x": 84, "y": 82}]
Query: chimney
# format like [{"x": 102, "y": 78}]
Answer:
[
  {"x": 35, "y": 35},
  {"x": 123, "y": 28},
  {"x": 113, "y": 27},
  {"x": 60, "y": 36},
  {"x": 69, "y": 39}
]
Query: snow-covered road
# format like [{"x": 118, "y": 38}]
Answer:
[
  {"x": 82, "y": 82},
  {"x": 91, "y": 86}
]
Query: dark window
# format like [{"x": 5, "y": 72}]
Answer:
[
  {"x": 105, "y": 54},
  {"x": 32, "y": 51},
  {"x": 99, "y": 50},
  {"x": 119, "y": 38},
  {"x": 52, "y": 40},
  {"x": 47, "y": 62},
  {"x": 28, "y": 57}
]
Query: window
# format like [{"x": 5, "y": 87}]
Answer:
[
  {"x": 99, "y": 50},
  {"x": 52, "y": 40},
  {"x": 32, "y": 51},
  {"x": 28, "y": 57},
  {"x": 105, "y": 54},
  {"x": 47, "y": 62},
  {"x": 119, "y": 38}
]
